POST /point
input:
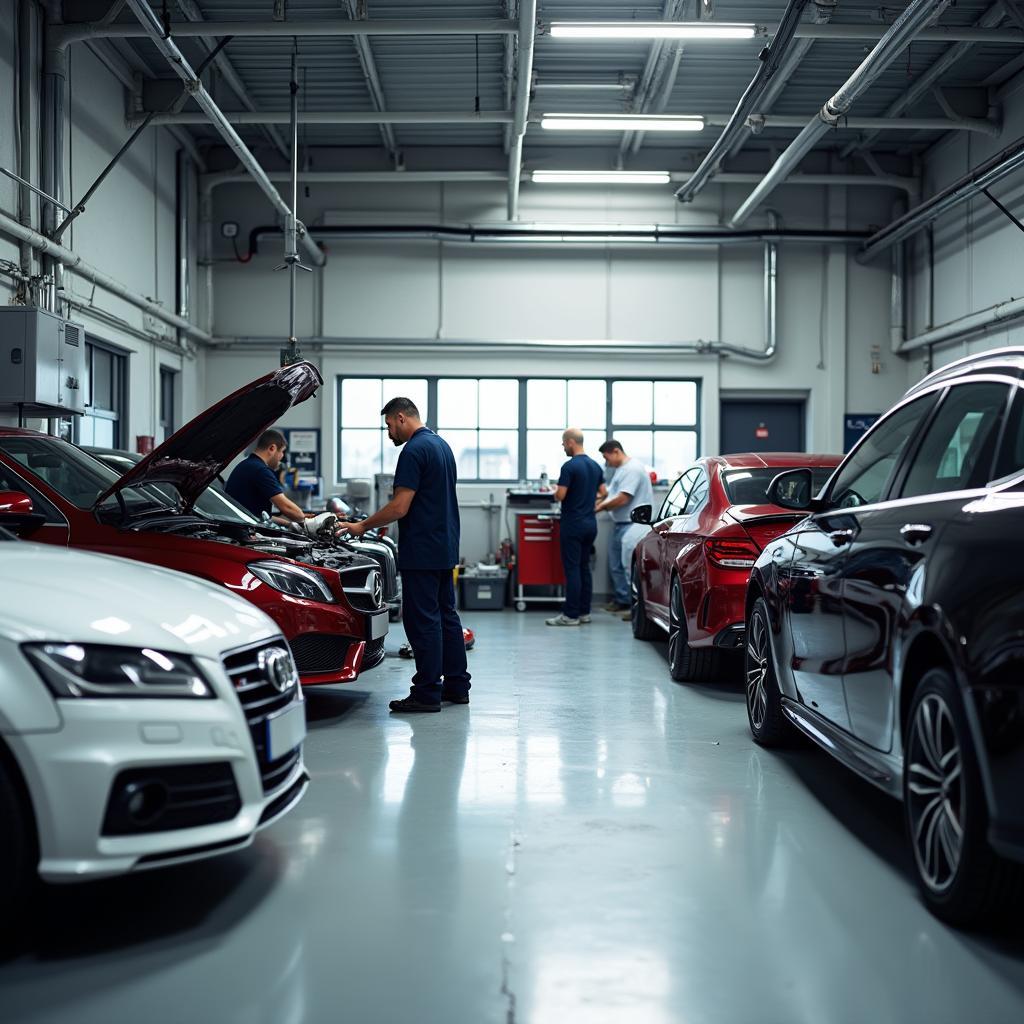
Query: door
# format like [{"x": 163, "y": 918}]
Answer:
[
  {"x": 665, "y": 541},
  {"x": 885, "y": 570},
  {"x": 811, "y": 571},
  {"x": 762, "y": 426}
]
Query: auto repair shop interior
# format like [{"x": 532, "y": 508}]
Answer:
[{"x": 767, "y": 765}]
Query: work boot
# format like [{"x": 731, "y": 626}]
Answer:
[
  {"x": 562, "y": 620},
  {"x": 410, "y": 705},
  {"x": 454, "y": 698},
  {"x": 613, "y": 606}
]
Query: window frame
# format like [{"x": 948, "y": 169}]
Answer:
[
  {"x": 121, "y": 370},
  {"x": 611, "y": 427}
]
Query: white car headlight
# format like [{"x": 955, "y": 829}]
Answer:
[
  {"x": 292, "y": 579},
  {"x": 99, "y": 670}
]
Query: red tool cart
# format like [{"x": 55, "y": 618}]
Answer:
[{"x": 539, "y": 560}]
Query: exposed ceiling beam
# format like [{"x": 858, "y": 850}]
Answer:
[
  {"x": 926, "y": 81},
  {"x": 190, "y": 9},
  {"x": 73, "y": 33},
  {"x": 368, "y": 63},
  {"x": 337, "y": 117}
]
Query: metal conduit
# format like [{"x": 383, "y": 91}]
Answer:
[
  {"x": 960, "y": 191},
  {"x": 184, "y": 70},
  {"x": 335, "y": 117},
  {"x": 74, "y": 262},
  {"x": 905, "y": 28},
  {"x": 772, "y": 58},
  {"x": 524, "y": 83}
]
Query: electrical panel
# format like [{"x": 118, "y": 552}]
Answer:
[{"x": 42, "y": 362}]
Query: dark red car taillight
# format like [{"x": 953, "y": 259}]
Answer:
[{"x": 732, "y": 552}]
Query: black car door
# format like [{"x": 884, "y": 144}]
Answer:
[
  {"x": 885, "y": 570},
  {"x": 811, "y": 571}
]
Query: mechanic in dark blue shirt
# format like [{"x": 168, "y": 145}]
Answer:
[
  {"x": 253, "y": 482},
  {"x": 577, "y": 489},
  {"x": 426, "y": 508}
]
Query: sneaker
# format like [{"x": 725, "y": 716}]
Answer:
[
  {"x": 562, "y": 620},
  {"x": 410, "y": 705},
  {"x": 458, "y": 698},
  {"x": 584, "y": 619}
]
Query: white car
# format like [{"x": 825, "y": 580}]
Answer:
[{"x": 146, "y": 718}]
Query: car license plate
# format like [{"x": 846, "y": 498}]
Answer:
[
  {"x": 378, "y": 626},
  {"x": 286, "y": 730}
]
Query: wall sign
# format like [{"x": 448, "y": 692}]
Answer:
[
  {"x": 855, "y": 426},
  {"x": 303, "y": 450},
  {"x": 761, "y": 432}
]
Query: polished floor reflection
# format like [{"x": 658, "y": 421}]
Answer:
[{"x": 587, "y": 841}]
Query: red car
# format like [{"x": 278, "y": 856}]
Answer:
[
  {"x": 327, "y": 599},
  {"x": 690, "y": 572}
]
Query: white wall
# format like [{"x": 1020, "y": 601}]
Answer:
[
  {"x": 978, "y": 252},
  {"x": 831, "y": 310},
  {"x": 127, "y": 230}
]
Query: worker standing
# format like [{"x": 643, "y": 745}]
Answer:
[
  {"x": 253, "y": 483},
  {"x": 630, "y": 487},
  {"x": 577, "y": 491},
  {"x": 426, "y": 507}
]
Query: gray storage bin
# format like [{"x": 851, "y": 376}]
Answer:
[{"x": 484, "y": 592}]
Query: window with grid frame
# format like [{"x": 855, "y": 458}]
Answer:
[
  {"x": 503, "y": 429},
  {"x": 105, "y": 386}
]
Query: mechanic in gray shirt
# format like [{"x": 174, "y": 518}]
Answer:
[{"x": 629, "y": 488}]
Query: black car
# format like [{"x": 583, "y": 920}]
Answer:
[{"x": 888, "y": 626}]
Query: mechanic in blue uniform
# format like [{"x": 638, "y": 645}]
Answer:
[
  {"x": 253, "y": 483},
  {"x": 426, "y": 508},
  {"x": 577, "y": 490}
]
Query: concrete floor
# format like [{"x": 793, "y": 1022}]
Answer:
[{"x": 588, "y": 841}]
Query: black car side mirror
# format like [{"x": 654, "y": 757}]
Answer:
[
  {"x": 793, "y": 490},
  {"x": 642, "y": 514}
]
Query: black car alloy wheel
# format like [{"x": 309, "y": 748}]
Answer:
[
  {"x": 936, "y": 792},
  {"x": 757, "y": 670}
]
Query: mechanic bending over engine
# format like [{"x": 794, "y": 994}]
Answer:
[
  {"x": 254, "y": 484},
  {"x": 426, "y": 508}
]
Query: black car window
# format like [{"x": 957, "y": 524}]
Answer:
[
  {"x": 864, "y": 477},
  {"x": 1010, "y": 460},
  {"x": 675, "y": 500},
  {"x": 958, "y": 448},
  {"x": 40, "y": 505},
  {"x": 697, "y": 495}
]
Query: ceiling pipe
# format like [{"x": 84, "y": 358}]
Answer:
[
  {"x": 75, "y": 33},
  {"x": 879, "y": 124},
  {"x": 524, "y": 83},
  {"x": 198, "y": 91},
  {"x": 382, "y": 117},
  {"x": 772, "y": 58},
  {"x": 983, "y": 322},
  {"x": 960, "y": 191},
  {"x": 823, "y": 10},
  {"x": 600, "y": 235},
  {"x": 899, "y": 35},
  {"x": 75, "y": 263},
  {"x": 924, "y": 84},
  {"x": 190, "y": 9},
  {"x": 668, "y": 84}
]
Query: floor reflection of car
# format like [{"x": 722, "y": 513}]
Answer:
[
  {"x": 690, "y": 571},
  {"x": 887, "y": 626},
  {"x": 146, "y": 718},
  {"x": 216, "y": 503},
  {"x": 327, "y": 600}
]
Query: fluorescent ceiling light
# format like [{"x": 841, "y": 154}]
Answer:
[
  {"x": 652, "y": 30},
  {"x": 601, "y": 177},
  {"x": 622, "y": 122}
]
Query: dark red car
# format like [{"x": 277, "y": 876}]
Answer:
[
  {"x": 690, "y": 571},
  {"x": 328, "y": 600}
]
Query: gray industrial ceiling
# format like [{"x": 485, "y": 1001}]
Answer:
[{"x": 462, "y": 73}]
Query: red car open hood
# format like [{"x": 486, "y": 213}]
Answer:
[{"x": 192, "y": 457}]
